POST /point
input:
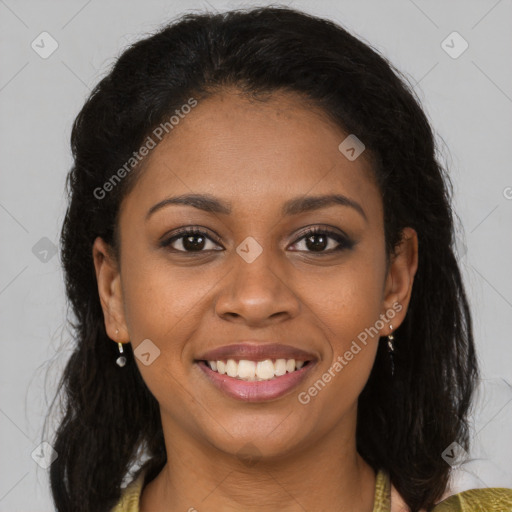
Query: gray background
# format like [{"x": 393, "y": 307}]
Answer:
[{"x": 468, "y": 99}]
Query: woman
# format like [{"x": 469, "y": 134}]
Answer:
[{"x": 260, "y": 236}]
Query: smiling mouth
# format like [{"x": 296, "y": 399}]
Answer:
[{"x": 249, "y": 371}]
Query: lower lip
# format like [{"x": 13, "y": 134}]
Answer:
[{"x": 256, "y": 391}]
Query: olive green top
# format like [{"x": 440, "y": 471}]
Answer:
[{"x": 476, "y": 500}]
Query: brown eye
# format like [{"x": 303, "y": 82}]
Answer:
[
  {"x": 318, "y": 240},
  {"x": 190, "y": 240}
]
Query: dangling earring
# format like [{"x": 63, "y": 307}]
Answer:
[
  {"x": 121, "y": 360},
  {"x": 391, "y": 349}
]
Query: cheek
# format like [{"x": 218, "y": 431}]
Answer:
[
  {"x": 348, "y": 298},
  {"x": 347, "y": 303},
  {"x": 163, "y": 303}
]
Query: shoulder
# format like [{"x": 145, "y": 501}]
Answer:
[
  {"x": 495, "y": 499},
  {"x": 130, "y": 496}
]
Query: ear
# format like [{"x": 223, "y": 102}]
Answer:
[
  {"x": 399, "y": 280},
  {"x": 110, "y": 290}
]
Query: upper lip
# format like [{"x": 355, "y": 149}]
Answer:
[{"x": 256, "y": 351}]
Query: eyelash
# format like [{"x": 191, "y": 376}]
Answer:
[{"x": 343, "y": 241}]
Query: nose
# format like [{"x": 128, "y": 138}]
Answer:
[{"x": 258, "y": 293}]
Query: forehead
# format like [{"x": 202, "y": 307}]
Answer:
[{"x": 253, "y": 152}]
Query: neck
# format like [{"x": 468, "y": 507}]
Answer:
[{"x": 200, "y": 477}]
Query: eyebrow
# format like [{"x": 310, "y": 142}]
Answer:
[{"x": 294, "y": 206}]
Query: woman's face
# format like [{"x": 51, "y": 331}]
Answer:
[{"x": 254, "y": 275}]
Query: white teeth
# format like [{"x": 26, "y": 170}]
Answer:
[
  {"x": 256, "y": 370},
  {"x": 280, "y": 367},
  {"x": 246, "y": 369},
  {"x": 232, "y": 368},
  {"x": 264, "y": 369},
  {"x": 221, "y": 366}
]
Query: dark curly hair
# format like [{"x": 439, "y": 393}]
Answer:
[{"x": 110, "y": 420}]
